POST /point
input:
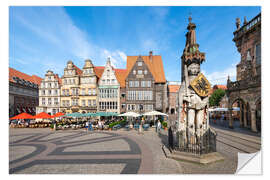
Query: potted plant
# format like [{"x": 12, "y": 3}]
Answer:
[{"x": 164, "y": 124}]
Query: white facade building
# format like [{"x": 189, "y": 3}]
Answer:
[
  {"x": 109, "y": 90},
  {"x": 49, "y": 94}
]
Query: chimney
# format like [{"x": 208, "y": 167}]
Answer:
[{"x": 151, "y": 55}]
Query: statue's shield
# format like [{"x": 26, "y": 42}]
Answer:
[{"x": 201, "y": 85}]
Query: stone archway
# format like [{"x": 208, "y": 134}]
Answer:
[{"x": 237, "y": 119}]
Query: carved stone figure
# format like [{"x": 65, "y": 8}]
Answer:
[{"x": 193, "y": 114}]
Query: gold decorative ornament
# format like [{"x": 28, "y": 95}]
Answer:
[{"x": 201, "y": 85}]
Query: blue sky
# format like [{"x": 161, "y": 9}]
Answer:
[{"x": 42, "y": 38}]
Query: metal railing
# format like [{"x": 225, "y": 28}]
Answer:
[{"x": 196, "y": 144}]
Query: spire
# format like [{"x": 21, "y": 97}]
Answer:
[{"x": 191, "y": 52}]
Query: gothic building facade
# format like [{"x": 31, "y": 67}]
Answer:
[
  {"x": 246, "y": 90},
  {"x": 146, "y": 88}
]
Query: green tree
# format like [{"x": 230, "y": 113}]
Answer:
[{"x": 216, "y": 97}]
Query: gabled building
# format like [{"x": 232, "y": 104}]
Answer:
[
  {"x": 109, "y": 90},
  {"x": 70, "y": 88},
  {"x": 146, "y": 87},
  {"x": 23, "y": 92},
  {"x": 49, "y": 94},
  {"x": 88, "y": 88}
]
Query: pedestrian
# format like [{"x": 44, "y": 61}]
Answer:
[
  {"x": 158, "y": 126},
  {"x": 90, "y": 127},
  {"x": 86, "y": 125},
  {"x": 99, "y": 125}
]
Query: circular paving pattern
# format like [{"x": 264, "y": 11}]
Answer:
[{"x": 77, "y": 152}]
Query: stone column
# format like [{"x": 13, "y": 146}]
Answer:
[
  {"x": 245, "y": 116},
  {"x": 253, "y": 120},
  {"x": 230, "y": 118},
  {"x": 240, "y": 115}
]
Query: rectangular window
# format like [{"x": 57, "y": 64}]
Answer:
[
  {"x": 137, "y": 84},
  {"x": 49, "y": 101},
  {"x": 94, "y": 102},
  {"x": 83, "y": 103},
  {"x": 89, "y": 92},
  {"x": 73, "y": 102},
  {"x": 43, "y": 101},
  {"x": 140, "y": 63},
  {"x": 139, "y": 72},
  {"x": 83, "y": 92},
  {"x": 94, "y": 91},
  {"x": 89, "y": 103},
  {"x": 142, "y": 83},
  {"x": 56, "y": 101},
  {"x": 130, "y": 83},
  {"x": 148, "y": 83}
]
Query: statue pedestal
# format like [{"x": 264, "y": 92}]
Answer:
[{"x": 191, "y": 157}]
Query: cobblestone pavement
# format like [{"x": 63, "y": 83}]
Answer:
[
  {"x": 228, "y": 144},
  {"x": 42, "y": 151}
]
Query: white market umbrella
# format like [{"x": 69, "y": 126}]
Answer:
[
  {"x": 155, "y": 113},
  {"x": 130, "y": 114},
  {"x": 236, "y": 108}
]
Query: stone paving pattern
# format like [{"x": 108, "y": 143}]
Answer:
[{"x": 43, "y": 151}]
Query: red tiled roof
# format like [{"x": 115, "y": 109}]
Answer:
[
  {"x": 174, "y": 88},
  {"x": 99, "y": 70},
  {"x": 155, "y": 66},
  {"x": 78, "y": 70},
  {"x": 220, "y": 87},
  {"x": 15, "y": 73},
  {"x": 121, "y": 76},
  {"x": 58, "y": 79}
]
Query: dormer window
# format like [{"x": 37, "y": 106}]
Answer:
[
  {"x": 139, "y": 63},
  {"x": 134, "y": 72},
  {"x": 139, "y": 71},
  {"x": 145, "y": 71}
]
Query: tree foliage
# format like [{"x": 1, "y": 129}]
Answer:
[{"x": 216, "y": 97}]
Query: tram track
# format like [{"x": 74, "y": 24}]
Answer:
[
  {"x": 242, "y": 138},
  {"x": 242, "y": 144}
]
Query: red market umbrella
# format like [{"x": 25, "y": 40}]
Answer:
[
  {"x": 58, "y": 115},
  {"x": 42, "y": 115},
  {"x": 23, "y": 116}
]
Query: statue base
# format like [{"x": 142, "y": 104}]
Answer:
[{"x": 190, "y": 157}]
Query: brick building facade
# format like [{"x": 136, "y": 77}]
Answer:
[{"x": 247, "y": 89}]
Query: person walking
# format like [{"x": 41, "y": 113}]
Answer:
[
  {"x": 86, "y": 125},
  {"x": 90, "y": 128},
  {"x": 158, "y": 126}
]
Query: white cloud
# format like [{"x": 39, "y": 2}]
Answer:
[
  {"x": 118, "y": 58},
  {"x": 220, "y": 77},
  {"x": 55, "y": 27}
]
